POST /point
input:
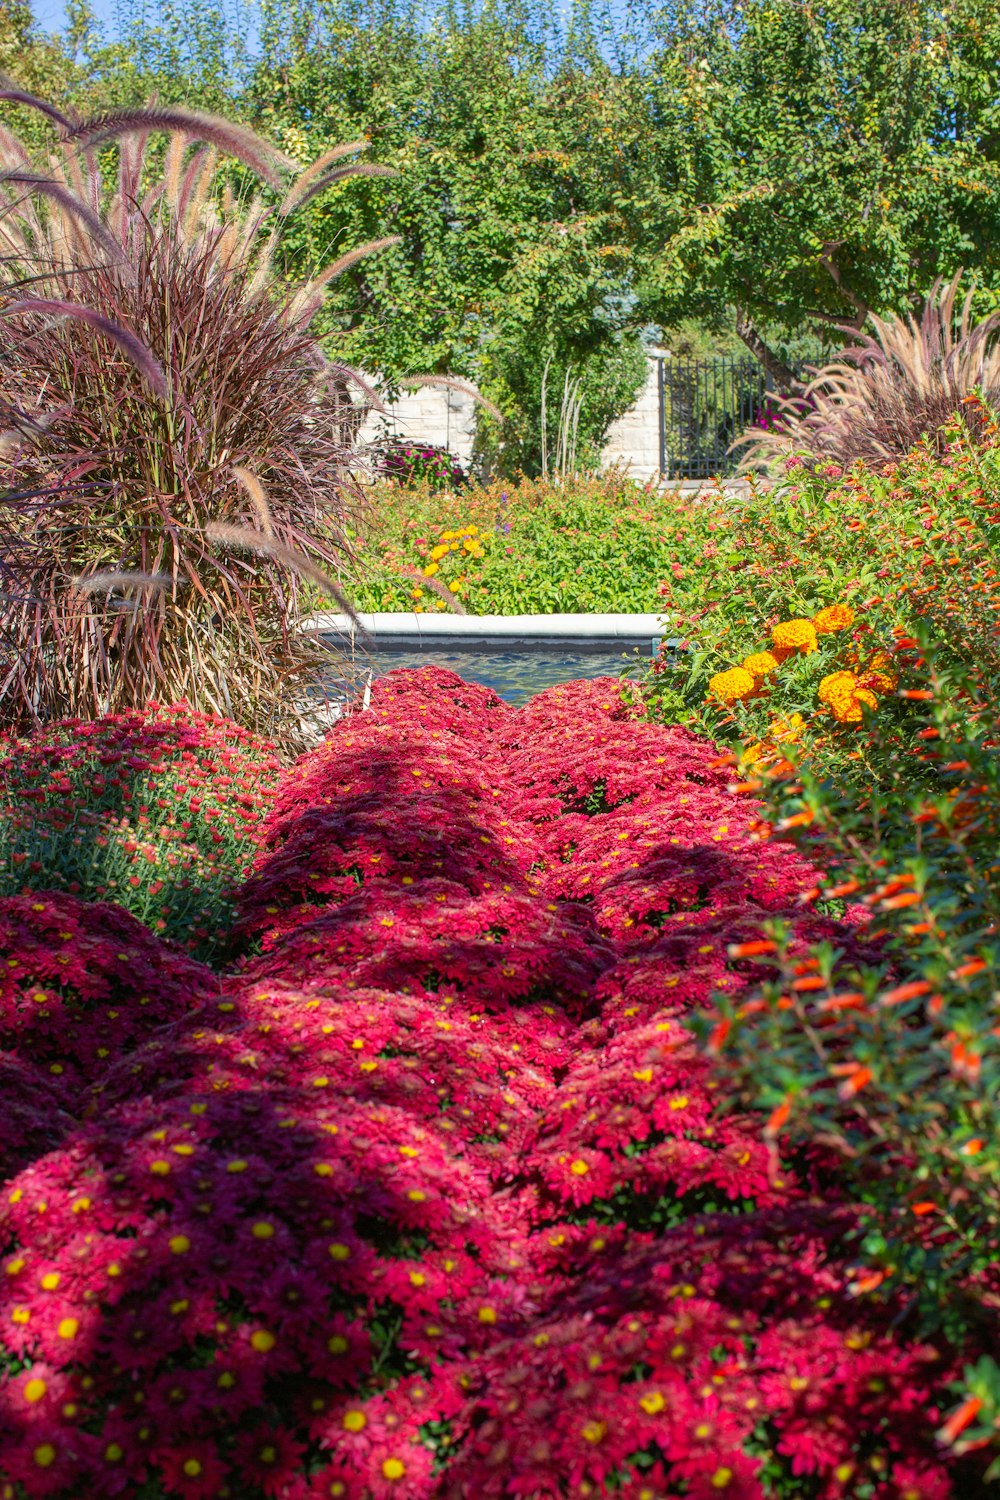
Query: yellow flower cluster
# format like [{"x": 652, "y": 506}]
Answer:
[
  {"x": 466, "y": 541},
  {"x": 789, "y": 636}
]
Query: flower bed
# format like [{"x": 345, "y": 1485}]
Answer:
[
  {"x": 590, "y": 545},
  {"x": 434, "y": 1196},
  {"x": 155, "y": 811}
]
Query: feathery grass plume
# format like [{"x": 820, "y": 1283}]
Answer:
[
  {"x": 158, "y": 386},
  {"x": 454, "y": 604},
  {"x": 262, "y": 157},
  {"x": 316, "y": 169},
  {"x": 454, "y": 383},
  {"x": 309, "y": 300},
  {"x": 104, "y": 582},
  {"x": 320, "y": 185},
  {"x": 30, "y": 101},
  {"x": 887, "y": 389}
]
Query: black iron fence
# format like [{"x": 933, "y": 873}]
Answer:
[{"x": 705, "y": 404}]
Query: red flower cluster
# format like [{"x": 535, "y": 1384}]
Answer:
[
  {"x": 156, "y": 811},
  {"x": 432, "y": 1200}
]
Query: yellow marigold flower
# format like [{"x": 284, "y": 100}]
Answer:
[
  {"x": 751, "y": 754},
  {"x": 834, "y": 617},
  {"x": 438, "y": 552},
  {"x": 849, "y": 710},
  {"x": 836, "y": 686},
  {"x": 430, "y": 570},
  {"x": 760, "y": 664},
  {"x": 795, "y": 635},
  {"x": 731, "y": 686}
]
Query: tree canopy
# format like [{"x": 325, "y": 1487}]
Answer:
[{"x": 766, "y": 169}]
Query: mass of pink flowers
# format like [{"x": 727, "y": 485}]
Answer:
[{"x": 432, "y": 1194}]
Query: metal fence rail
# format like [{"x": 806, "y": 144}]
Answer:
[{"x": 704, "y": 406}]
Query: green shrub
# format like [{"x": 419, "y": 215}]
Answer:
[
  {"x": 156, "y": 812},
  {"x": 892, "y": 1069},
  {"x": 528, "y": 548}
]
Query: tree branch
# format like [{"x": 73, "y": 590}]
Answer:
[
  {"x": 775, "y": 367},
  {"x": 828, "y": 263}
]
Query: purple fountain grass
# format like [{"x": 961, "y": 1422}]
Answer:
[
  {"x": 157, "y": 383},
  {"x": 887, "y": 389}
]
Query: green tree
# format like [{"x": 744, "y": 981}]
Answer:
[
  {"x": 512, "y": 246},
  {"x": 824, "y": 159}
]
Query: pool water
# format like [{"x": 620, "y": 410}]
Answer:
[{"x": 513, "y": 675}]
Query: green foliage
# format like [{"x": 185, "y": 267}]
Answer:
[
  {"x": 526, "y": 548},
  {"x": 767, "y": 169},
  {"x": 512, "y": 246},
  {"x": 824, "y": 159}
]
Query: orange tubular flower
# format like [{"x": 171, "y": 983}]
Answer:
[
  {"x": 751, "y": 950},
  {"x": 911, "y": 991},
  {"x": 896, "y": 903},
  {"x": 960, "y": 1419},
  {"x": 855, "y": 1083},
  {"x": 778, "y": 1118},
  {"x": 850, "y": 1000}
]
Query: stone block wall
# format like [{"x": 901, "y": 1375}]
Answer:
[
  {"x": 448, "y": 420},
  {"x": 428, "y": 415}
]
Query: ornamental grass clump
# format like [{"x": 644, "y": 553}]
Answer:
[
  {"x": 886, "y": 390},
  {"x": 176, "y": 434}
]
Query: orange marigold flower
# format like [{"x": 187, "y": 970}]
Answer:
[
  {"x": 836, "y": 686},
  {"x": 877, "y": 682},
  {"x": 731, "y": 686},
  {"x": 834, "y": 617},
  {"x": 761, "y": 664},
  {"x": 851, "y": 710},
  {"x": 795, "y": 635}
]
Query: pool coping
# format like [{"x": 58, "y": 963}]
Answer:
[{"x": 471, "y": 632}]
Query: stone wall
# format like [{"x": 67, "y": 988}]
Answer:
[
  {"x": 428, "y": 415},
  {"x": 448, "y": 420},
  {"x": 633, "y": 442}
]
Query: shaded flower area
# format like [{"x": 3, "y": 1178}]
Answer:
[{"x": 431, "y": 1196}]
